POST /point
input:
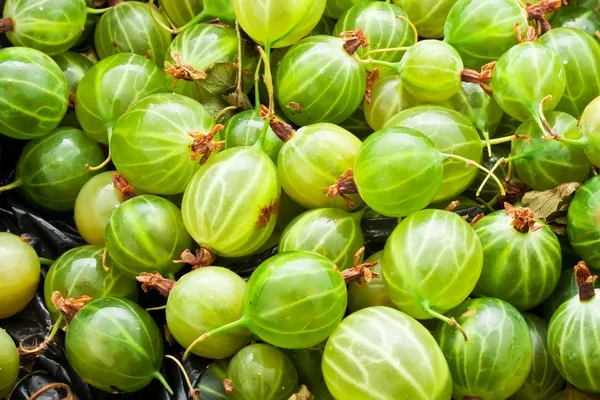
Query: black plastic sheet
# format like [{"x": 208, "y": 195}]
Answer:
[{"x": 53, "y": 234}]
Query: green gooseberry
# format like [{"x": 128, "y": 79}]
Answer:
[
  {"x": 74, "y": 66},
  {"x": 154, "y": 144},
  {"x": 9, "y": 363},
  {"x": 521, "y": 258},
  {"x": 91, "y": 20},
  {"x": 431, "y": 71},
  {"x": 146, "y": 234},
  {"x": 274, "y": 25},
  {"x": 325, "y": 26},
  {"x": 243, "y": 129},
  {"x": 589, "y": 127},
  {"x": 79, "y": 272},
  {"x": 572, "y": 335},
  {"x": 581, "y": 18},
  {"x": 369, "y": 294},
  {"x": 313, "y": 159},
  {"x": 582, "y": 224},
  {"x": 388, "y": 97},
  {"x": 50, "y": 26},
  {"x": 180, "y": 12},
  {"x": 186, "y": 13},
  {"x": 318, "y": 80},
  {"x": 383, "y": 353},
  {"x": 210, "y": 383},
  {"x": 203, "y": 300},
  {"x": 33, "y": 93},
  {"x": 452, "y": 134},
  {"x": 130, "y": 27},
  {"x": 385, "y": 25},
  {"x": 479, "y": 107},
  {"x": 565, "y": 290},
  {"x": 95, "y": 203},
  {"x": 20, "y": 271},
  {"x": 115, "y": 346},
  {"x": 515, "y": 91},
  {"x": 543, "y": 380},
  {"x": 571, "y": 393},
  {"x": 261, "y": 372},
  {"x": 331, "y": 232},
  {"x": 489, "y": 192},
  {"x": 304, "y": 285},
  {"x": 51, "y": 170},
  {"x": 335, "y": 8},
  {"x": 357, "y": 124},
  {"x": 308, "y": 365},
  {"x": 495, "y": 362},
  {"x": 431, "y": 263},
  {"x": 398, "y": 152},
  {"x": 231, "y": 203},
  {"x": 428, "y": 16},
  {"x": 544, "y": 164},
  {"x": 580, "y": 54},
  {"x": 211, "y": 51},
  {"x": 110, "y": 87},
  {"x": 483, "y": 30}
]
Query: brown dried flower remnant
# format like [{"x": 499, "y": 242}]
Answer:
[
  {"x": 353, "y": 40},
  {"x": 283, "y": 130},
  {"x": 360, "y": 271},
  {"x": 343, "y": 187},
  {"x": 203, "y": 258},
  {"x": 125, "y": 189},
  {"x": 204, "y": 143},
  {"x": 585, "y": 281},
  {"x": 372, "y": 77},
  {"x": 228, "y": 386},
  {"x": 154, "y": 280},
  {"x": 523, "y": 218},
  {"x": 183, "y": 71}
]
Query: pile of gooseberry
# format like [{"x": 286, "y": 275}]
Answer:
[{"x": 318, "y": 199}]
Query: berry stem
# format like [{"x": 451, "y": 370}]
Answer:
[
  {"x": 173, "y": 30},
  {"x": 194, "y": 393},
  {"x": 10, "y": 186},
  {"x": 481, "y": 167},
  {"x": 53, "y": 386},
  {"x": 101, "y": 165},
  {"x": 450, "y": 321},
  {"x": 97, "y": 10},
  {"x": 42, "y": 346},
  {"x": 6, "y": 25},
  {"x": 46, "y": 261},
  {"x": 487, "y": 142},
  {"x": 225, "y": 328},
  {"x": 162, "y": 380},
  {"x": 202, "y": 15}
]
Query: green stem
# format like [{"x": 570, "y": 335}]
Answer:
[
  {"x": 199, "y": 17},
  {"x": 501, "y": 140},
  {"x": 172, "y": 30},
  {"x": 46, "y": 261},
  {"x": 580, "y": 143},
  {"x": 162, "y": 380},
  {"x": 450, "y": 321},
  {"x": 232, "y": 325},
  {"x": 256, "y": 86},
  {"x": 487, "y": 143},
  {"x": 42, "y": 346},
  {"x": 395, "y": 66},
  {"x": 481, "y": 167},
  {"x": 10, "y": 186},
  {"x": 268, "y": 78},
  {"x": 97, "y": 10}
]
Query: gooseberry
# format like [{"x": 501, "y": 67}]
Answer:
[{"x": 9, "y": 363}]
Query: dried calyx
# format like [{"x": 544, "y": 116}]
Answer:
[
  {"x": 203, "y": 258},
  {"x": 302, "y": 394},
  {"x": 343, "y": 187},
  {"x": 360, "y": 271},
  {"x": 154, "y": 280},
  {"x": 68, "y": 308},
  {"x": 228, "y": 386},
  {"x": 482, "y": 78},
  {"x": 179, "y": 70},
  {"x": 353, "y": 40},
  {"x": 204, "y": 143},
  {"x": 125, "y": 189},
  {"x": 6, "y": 25},
  {"x": 523, "y": 218},
  {"x": 284, "y": 131},
  {"x": 537, "y": 12},
  {"x": 585, "y": 281}
]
